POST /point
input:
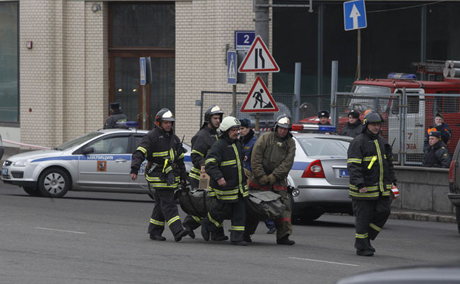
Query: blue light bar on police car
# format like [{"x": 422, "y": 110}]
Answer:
[
  {"x": 403, "y": 76},
  {"x": 313, "y": 128},
  {"x": 127, "y": 124}
]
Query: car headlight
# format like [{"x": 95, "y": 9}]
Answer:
[{"x": 20, "y": 163}]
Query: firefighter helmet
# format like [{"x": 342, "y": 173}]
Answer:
[
  {"x": 212, "y": 111},
  {"x": 283, "y": 121},
  {"x": 371, "y": 117},
  {"x": 229, "y": 122},
  {"x": 164, "y": 115}
]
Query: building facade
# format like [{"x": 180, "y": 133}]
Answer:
[{"x": 63, "y": 61}]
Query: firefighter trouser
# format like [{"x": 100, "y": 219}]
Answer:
[
  {"x": 235, "y": 211},
  {"x": 371, "y": 215},
  {"x": 164, "y": 212},
  {"x": 283, "y": 224},
  {"x": 193, "y": 222}
]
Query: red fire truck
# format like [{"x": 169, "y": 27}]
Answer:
[{"x": 421, "y": 107}]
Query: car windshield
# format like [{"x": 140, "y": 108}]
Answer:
[
  {"x": 317, "y": 146},
  {"x": 78, "y": 141}
]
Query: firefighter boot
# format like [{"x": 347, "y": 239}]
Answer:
[
  {"x": 157, "y": 237},
  {"x": 236, "y": 238},
  {"x": 178, "y": 237},
  {"x": 205, "y": 232},
  {"x": 219, "y": 235},
  {"x": 285, "y": 241},
  {"x": 371, "y": 248}
]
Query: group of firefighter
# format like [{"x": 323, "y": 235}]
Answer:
[
  {"x": 237, "y": 161},
  {"x": 217, "y": 150}
]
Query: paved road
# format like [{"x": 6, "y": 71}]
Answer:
[{"x": 101, "y": 238}]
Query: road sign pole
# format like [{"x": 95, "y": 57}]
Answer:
[
  {"x": 358, "y": 68},
  {"x": 257, "y": 126},
  {"x": 144, "y": 107},
  {"x": 234, "y": 100}
]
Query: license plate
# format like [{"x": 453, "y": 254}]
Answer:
[
  {"x": 344, "y": 174},
  {"x": 4, "y": 172}
]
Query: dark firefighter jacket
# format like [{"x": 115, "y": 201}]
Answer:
[
  {"x": 201, "y": 143},
  {"x": 225, "y": 159},
  {"x": 370, "y": 165},
  {"x": 117, "y": 116},
  {"x": 437, "y": 156},
  {"x": 272, "y": 155},
  {"x": 164, "y": 154},
  {"x": 352, "y": 129}
]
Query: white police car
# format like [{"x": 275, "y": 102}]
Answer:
[
  {"x": 97, "y": 161},
  {"x": 319, "y": 177}
]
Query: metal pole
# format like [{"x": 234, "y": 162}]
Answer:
[
  {"x": 298, "y": 73},
  {"x": 144, "y": 107},
  {"x": 358, "y": 68},
  {"x": 234, "y": 100},
  {"x": 334, "y": 83},
  {"x": 261, "y": 10}
]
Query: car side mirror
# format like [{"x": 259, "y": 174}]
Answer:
[{"x": 88, "y": 150}]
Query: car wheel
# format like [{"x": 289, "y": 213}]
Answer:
[
  {"x": 54, "y": 182},
  {"x": 32, "y": 191},
  {"x": 312, "y": 215}
]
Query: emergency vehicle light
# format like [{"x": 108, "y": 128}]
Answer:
[
  {"x": 127, "y": 124},
  {"x": 313, "y": 128},
  {"x": 403, "y": 76}
]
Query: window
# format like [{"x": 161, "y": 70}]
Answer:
[
  {"x": 111, "y": 145},
  {"x": 9, "y": 63}
]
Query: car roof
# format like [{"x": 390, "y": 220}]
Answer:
[
  {"x": 122, "y": 130},
  {"x": 321, "y": 135}
]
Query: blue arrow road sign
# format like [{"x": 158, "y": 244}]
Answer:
[
  {"x": 232, "y": 67},
  {"x": 354, "y": 14}
]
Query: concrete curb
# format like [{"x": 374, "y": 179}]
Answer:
[{"x": 418, "y": 216}]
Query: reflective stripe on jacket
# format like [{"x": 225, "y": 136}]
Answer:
[
  {"x": 225, "y": 159},
  {"x": 201, "y": 143},
  {"x": 370, "y": 165},
  {"x": 164, "y": 154}
]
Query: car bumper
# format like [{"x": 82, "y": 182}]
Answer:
[
  {"x": 327, "y": 198},
  {"x": 454, "y": 198}
]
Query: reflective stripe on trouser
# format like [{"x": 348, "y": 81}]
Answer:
[
  {"x": 371, "y": 216},
  {"x": 283, "y": 224},
  {"x": 235, "y": 211},
  {"x": 164, "y": 212}
]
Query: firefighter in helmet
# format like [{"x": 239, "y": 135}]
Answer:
[
  {"x": 165, "y": 170},
  {"x": 201, "y": 143},
  {"x": 224, "y": 165},
  {"x": 370, "y": 165},
  {"x": 271, "y": 160}
]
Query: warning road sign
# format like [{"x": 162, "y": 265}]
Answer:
[
  {"x": 259, "y": 59},
  {"x": 259, "y": 99}
]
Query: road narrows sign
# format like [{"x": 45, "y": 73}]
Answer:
[
  {"x": 259, "y": 99},
  {"x": 259, "y": 59}
]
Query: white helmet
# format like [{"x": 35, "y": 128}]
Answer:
[{"x": 229, "y": 122}]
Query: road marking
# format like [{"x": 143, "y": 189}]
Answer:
[
  {"x": 57, "y": 230},
  {"x": 323, "y": 261}
]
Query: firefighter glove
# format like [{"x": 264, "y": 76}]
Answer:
[{"x": 271, "y": 179}]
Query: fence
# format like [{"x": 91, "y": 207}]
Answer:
[{"x": 407, "y": 116}]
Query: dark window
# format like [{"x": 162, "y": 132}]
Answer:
[{"x": 9, "y": 63}]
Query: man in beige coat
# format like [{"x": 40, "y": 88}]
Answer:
[{"x": 271, "y": 160}]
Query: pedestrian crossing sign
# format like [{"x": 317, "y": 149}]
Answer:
[{"x": 259, "y": 99}]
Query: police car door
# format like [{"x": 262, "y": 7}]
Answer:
[
  {"x": 140, "y": 182},
  {"x": 415, "y": 122},
  {"x": 107, "y": 165}
]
